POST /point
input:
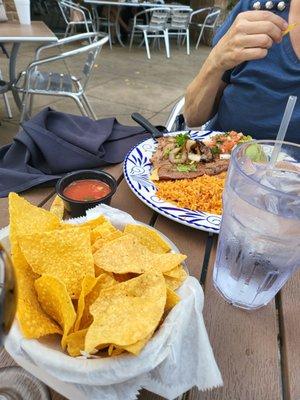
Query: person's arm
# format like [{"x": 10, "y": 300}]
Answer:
[
  {"x": 203, "y": 94},
  {"x": 249, "y": 38}
]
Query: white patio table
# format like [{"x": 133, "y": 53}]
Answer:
[{"x": 120, "y": 4}]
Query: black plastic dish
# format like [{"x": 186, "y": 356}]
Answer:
[{"x": 78, "y": 208}]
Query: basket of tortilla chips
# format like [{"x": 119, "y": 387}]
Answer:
[
  {"x": 100, "y": 289},
  {"x": 97, "y": 299}
]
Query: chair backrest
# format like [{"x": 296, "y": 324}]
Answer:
[
  {"x": 65, "y": 11},
  {"x": 176, "y": 122},
  {"x": 92, "y": 50},
  {"x": 68, "y": 9},
  {"x": 159, "y": 17},
  {"x": 89, "y": 50},
  {"x": 171, "y": 123},
  {"x": 213, "y": 16},
  {"x": 180, "y": 17}
]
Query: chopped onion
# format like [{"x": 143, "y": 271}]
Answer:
[
  {"x": 194, "y": 157},
  {"x": 224, "y": 156}
]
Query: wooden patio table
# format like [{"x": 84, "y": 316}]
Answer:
[{"x": 258, "y": 353}]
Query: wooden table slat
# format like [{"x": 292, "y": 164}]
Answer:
[
  {"x": 125, "y": 200},
  {"x": 189, "y": 241},
  {"x": 290, "y": 322},
  {"x": 37, "y": 31},
  {"x": 245, "y": 347},
  {"x": 116, "y": 171},
  {"x": 35, "y": 196}
]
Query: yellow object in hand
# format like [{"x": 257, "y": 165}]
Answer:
[{"x": 289, "y": 28}]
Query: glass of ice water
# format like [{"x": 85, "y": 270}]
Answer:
[{"x": 259, "y": 241}]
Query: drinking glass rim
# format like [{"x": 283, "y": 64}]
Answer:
[{"x": 239, "y": 148}]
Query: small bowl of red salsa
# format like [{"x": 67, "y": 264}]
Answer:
[{"x": 81, "y": 190}]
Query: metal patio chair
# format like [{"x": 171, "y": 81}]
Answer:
[
  {"x": 4, "y": 86},
  {"x": 176, "y": 122},
  {"x": 211, "y": 17},
  {"x": 157, "y": 27},
  {"x": 3, "y": 90},
  {"x": 103, "y": 22},
  {"x": 35, "y": 81},
  {"x": 70, "y": 11},
  {"x": 179, "y": 25}
]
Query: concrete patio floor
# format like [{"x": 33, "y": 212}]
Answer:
[{"x": 122, "y": 82}]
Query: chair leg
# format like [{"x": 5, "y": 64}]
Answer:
[
  {"x": 30, "y": 104},
  {"x": 154, "y": 40},
  {"x": 5, "y": 98},
  {"x": 199, "y": 38},
  {"x": 80, "y": 105},
  {"x": 109, "y": 33},
  {"x": 24, "y": 108},
  {"x": 86, "y": 26},
  {"x": 131, "y": 38},
  {"x": 147, "y": 45},
  {"x": 188, "y": 42},
  {"x": 7, "y": 106},
  {"x": 117, "y": 28},
  {"x": 67, "y": 31},
  {"x": 142, "y": 42},
  {"x": 167, "y": 44},
  {"x": 88, "y": 106}
]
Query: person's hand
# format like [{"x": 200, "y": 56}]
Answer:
[{"x": 249, "y": 38}]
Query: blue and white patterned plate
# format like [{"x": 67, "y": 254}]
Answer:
[{"x": 137, "y": 169}]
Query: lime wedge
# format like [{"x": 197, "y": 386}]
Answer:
[{"x": 255, "y": 153}]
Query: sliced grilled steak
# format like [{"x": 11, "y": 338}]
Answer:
[
  {"x": 168, "y": 171},
  {"x": 165, "y": 144},
  {"x": 209, "y": 164}
]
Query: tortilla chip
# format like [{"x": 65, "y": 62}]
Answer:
[
  {"x": 93, "y": 223},
  {"x": 172, "y": 283},
  {"x": 101, "y": 231},
  {"x": 26, "y": 218},
  {"x": 98, "y": 244},
  {"x": 75, "y": 343},
  {"x": 103, "y": 281},
  {"x": 56, "y": 302},
  {"x": 177, "y": 273},
  {"x": 126, "y": 254},
  {"x": 134, "y": 348},
  {"x": 114, "y": 351},
  {"x": 65, "y": 254},
  {"x": 172, "y": 299},
  {"x": 148, "y": 238},
  {"x": 33, "y": 321},
  {"x": 99, "y": 271},
  {"x": 124, "y": 277},
  {"x": 154, "y": 175},
  {"x": 127, "y": 312},
  {"x": 102, "y": 241},
  {"x": 57, "y": 207},
  {"x": 175, "y": 277},
  {"x": 87, "y": 285},
  {"x": 137, "y": 347}
]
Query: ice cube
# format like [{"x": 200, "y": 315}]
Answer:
[{"x": 285, "y": 181}]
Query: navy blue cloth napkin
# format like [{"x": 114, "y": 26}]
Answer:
[{"x": 54, "y": 143}]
